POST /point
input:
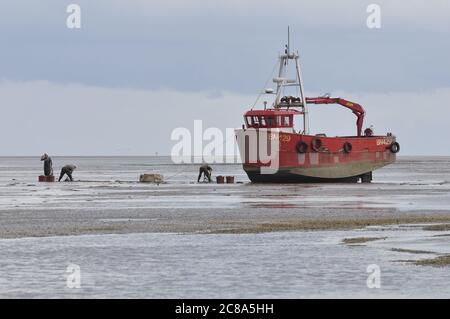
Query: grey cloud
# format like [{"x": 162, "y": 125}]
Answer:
[
  {"x": 138, "y": 69},
  {"x": 79, "y": 120},
  {"x": 209, "y": 45}
]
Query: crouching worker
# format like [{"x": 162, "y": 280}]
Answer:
[
  {"x": 206, "y": 171},
  {"x": 67, "y": 170}
]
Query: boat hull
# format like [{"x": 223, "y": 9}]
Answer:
[
  {"x": 347, "y": 173},
  {"x": 331, "y": 163}
]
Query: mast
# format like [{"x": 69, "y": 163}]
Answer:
[
  {"x": 283, "y": 82},
  {"x": 289, "y": 41},
  {"x": 302, "y": 93}
]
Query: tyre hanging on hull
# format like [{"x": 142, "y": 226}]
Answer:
[
  {"x": 395, "y": 147},
  {"x": 348, "y": 147},
  {"x": 301, "y": 147},
  {"x": 316, "y": 144}
]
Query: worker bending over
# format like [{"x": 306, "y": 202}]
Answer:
[
  {"x": 206, "y": 171},
  {"x": 67, "y": 170}
]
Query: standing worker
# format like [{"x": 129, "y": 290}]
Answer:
[
  {"x": 48, "y": 165},
  {"x": 68, "y": 169},
  {"x": 206, "y": 171}
]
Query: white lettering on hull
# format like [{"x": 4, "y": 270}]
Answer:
[
  {"x": 301, "y": 159},
  {"x": 314, "y": 158},
  {"x": 384, "y": 141}
]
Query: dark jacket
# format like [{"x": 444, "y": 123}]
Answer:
[
  {"x": 48, "y": 167},
  {"x": 205, "y": 167},
  {"x": 69, "y": 168}
]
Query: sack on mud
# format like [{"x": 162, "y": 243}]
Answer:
[{"x": 151, "y": 178}]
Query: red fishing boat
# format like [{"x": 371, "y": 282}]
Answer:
[{"x": 296, "y": 156}]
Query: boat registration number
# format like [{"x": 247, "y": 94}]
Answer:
[
  {"x": 384, "y": 141},
  {"x": 284, "y": 138}
]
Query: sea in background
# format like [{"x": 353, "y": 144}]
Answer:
[
  {"x": 408, "y": 169},
  {"x": 185, "y": 261}
]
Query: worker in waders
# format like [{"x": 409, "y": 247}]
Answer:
[
  {"x": 48, "y": 165},
  {"x": 67, "y": 170},
  {"x": 206, "y": 171}
]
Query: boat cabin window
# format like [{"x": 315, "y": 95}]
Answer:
[
  {"x": 263, "y": 121},
  {"x": 269, "y": 120}
]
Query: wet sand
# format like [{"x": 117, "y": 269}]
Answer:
[
  {"x": 108, "y": 201},
  {"x": 191, "y": 240},
  {"x": 412, "y": 263},
  {"x": 117, "y": 208},
  {"x": 59, "y": 223}
]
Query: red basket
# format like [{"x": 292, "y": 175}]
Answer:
[
  {"x": 47, "y": 179},
  {"x": 220, "y": 179}
]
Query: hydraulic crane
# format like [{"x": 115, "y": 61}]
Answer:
[{"x": 357, "y": 109}]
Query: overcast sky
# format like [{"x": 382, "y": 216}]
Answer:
[{"x": 138, "y": 69}]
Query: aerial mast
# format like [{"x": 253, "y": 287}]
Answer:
[
  {"x": 282, "y": 82},
  {"x": 302, "y": 93}
]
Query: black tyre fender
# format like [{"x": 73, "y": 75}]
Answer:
[
  {"x": 395, "y": 147},
  {"x": 316, "y": 144},
  {"x": 301, "y": 147},
  {"x": 348, "y": 147}
]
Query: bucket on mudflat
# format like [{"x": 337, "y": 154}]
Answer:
[
  {"x": 220, "y": 179},
  {"x": 230, "y": 179},
  {"x": 47, "y": 179}
]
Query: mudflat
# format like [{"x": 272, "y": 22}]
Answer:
[{"x": 106, "y": 199}]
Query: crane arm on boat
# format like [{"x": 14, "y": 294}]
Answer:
[{"x": 357, "y": 109}]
